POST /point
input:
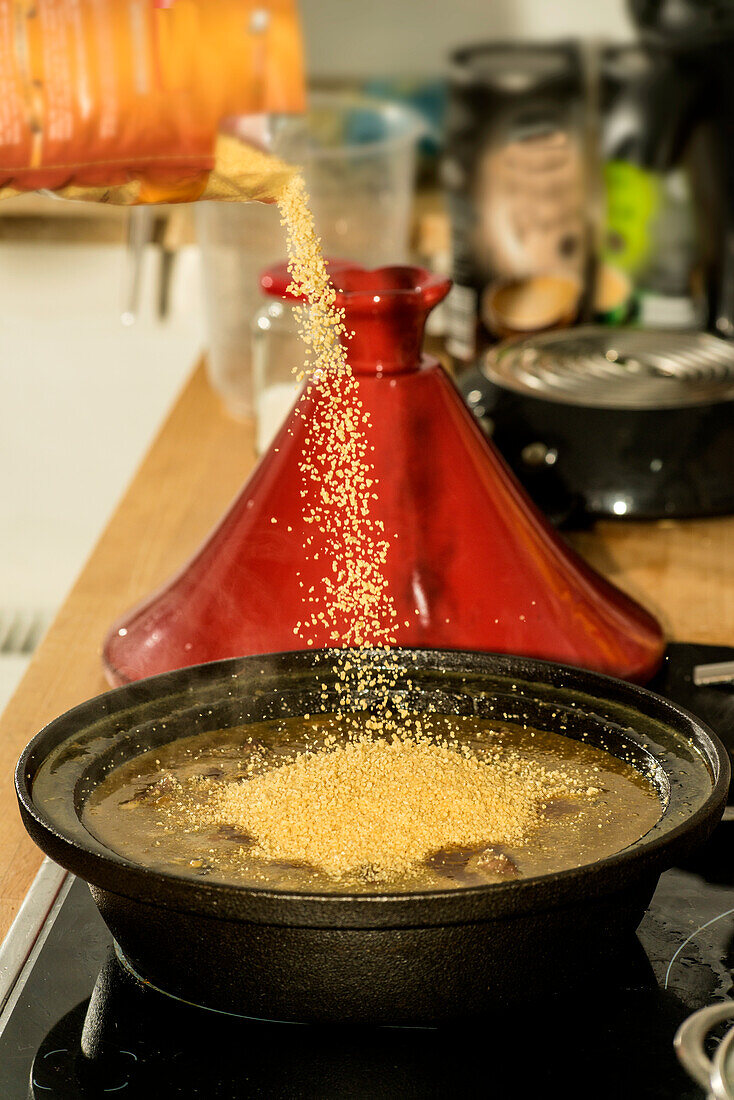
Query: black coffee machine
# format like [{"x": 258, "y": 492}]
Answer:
[
  {"x": 598, "y": 421},
  {"x": 693, "y": 43}
]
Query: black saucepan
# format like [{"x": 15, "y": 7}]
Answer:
[
  {"x": 393, "y": 958},
  {"x": 599, "y": 421}
]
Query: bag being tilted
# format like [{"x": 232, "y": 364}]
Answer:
[{"x": 126, "y": 101}]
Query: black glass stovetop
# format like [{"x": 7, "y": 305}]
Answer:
[{"x": 85, "y": 1026}]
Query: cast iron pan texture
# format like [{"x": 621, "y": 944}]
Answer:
[{"x": 396, "y": 958}]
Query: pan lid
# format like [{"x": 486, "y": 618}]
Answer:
[{"x": 622, "y": 368}]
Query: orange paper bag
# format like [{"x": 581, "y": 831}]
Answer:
[{"x": 123, "y": 101}]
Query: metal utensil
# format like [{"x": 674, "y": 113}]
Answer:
[
  {"x": 721, "y": 673},
  {"x": 716, "y": 1074},
  {"x": 21, "y": 630}
]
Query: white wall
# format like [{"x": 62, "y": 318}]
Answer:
[
  {"x": 80, "y": 399},
  {"x": 414, "y": 37}
]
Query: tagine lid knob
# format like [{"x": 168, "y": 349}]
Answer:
[{"x": 386, "y": 310}]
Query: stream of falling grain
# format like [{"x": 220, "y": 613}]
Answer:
[{"x": 356, "y": 607}]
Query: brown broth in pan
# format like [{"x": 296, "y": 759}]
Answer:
[{"x": 146, "y": 809}]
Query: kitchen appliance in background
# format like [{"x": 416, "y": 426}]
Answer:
[
  {"x": 637, "y": 421},
  {"x": 517, "y": 183},
  {"x": 649, "y": 257},
  {"x": 697, "y": 38},
  {"x": 602, "y": 422},
  {"x": 568, "y": 191}
]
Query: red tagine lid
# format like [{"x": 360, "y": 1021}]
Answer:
[{"x": 472, "y": 563}]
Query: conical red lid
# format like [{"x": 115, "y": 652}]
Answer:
[{"x": 473, "y": 564}]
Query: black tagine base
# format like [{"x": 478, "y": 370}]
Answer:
[{"x": 83, "y": 1025}]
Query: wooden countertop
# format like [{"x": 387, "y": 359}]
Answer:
[{"x": 682, "y": 571}]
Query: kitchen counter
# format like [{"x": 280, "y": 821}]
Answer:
[{"x": 682, "y": 571}]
